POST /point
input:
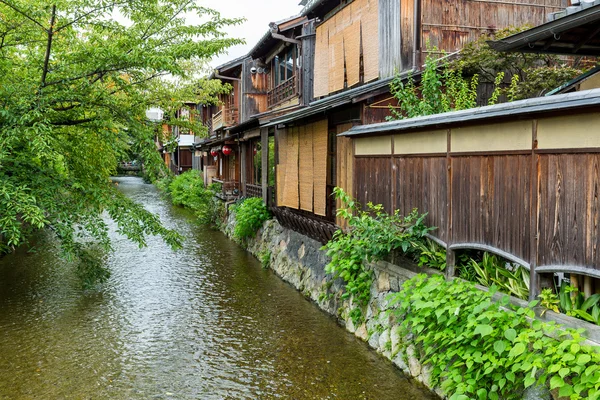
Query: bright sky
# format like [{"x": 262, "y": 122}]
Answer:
[{"x": 258, "y": 14}]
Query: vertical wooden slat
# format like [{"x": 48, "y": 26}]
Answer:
[{"x": 320, "y": 135}]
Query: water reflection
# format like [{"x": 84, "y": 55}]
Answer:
[{"x": 206, "y": 322}]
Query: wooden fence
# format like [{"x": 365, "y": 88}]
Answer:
[{"x": 534, "y": 200}]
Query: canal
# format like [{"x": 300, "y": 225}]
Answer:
[{"x": 205, "y": 322}]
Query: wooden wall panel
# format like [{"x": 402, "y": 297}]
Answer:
[
  {"x": 490, "y": 202},
  {"x": 372, "y": 181},
  {"x": 336, "y": 61},
  {"x": 408, "y": 26},
  {"x": 344, "y": 166},
  {"x": 569, "y": 224},
  {"x": 422, "y": 183},
  {"x": 390, "y": 42},
  {"x": 449, "y": 25}
]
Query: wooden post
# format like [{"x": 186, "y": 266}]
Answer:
[
  {"x": 587, "y": 286},
  {"x": 264, "y": 144},
  {"x": 450, "y": 254},
  {"x": 534, "y": 281},
  {"x": 243, "y": 167}
]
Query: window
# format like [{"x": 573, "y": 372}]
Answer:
[{"x": 284, "y": 65}]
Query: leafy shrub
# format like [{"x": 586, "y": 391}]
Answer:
[
  {"x": 249, "y": 217},
  {"x": 372, "y": 235},
  {"x": 573, "y": 302},
  {"x": 430, "y": 254},
  {"x": 188, "y": 190},
  {"x": 479, "y": 350}
]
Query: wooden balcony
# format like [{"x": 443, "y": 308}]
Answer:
[
  {"x": 225, "y": 118},
  {"x": 230, "y": 190},
  {"x": 285, "y": 91}
]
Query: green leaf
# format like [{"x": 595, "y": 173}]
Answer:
[
  {"x": 517, "y": 350},
  {"x": 583, "y": 359},
  {"x": 556, "y": 381},
  {"x": 483, "y": 330},
  {"x": 500, "y": 346},
  {"x": 510, "y": 334}
]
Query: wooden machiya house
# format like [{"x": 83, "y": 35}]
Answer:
[
  {"x": 520, "y": 180},
  {"x": 349, "y": 51}
]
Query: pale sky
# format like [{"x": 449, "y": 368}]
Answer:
[{"x": 258, "y": 14}]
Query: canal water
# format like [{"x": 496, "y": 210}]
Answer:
[{"x": 205, "y": 322}]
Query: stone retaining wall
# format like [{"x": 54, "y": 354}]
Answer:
[{"x": 300, "y": 261}]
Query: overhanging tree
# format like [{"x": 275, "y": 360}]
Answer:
[{"x": 76, "y": 77}]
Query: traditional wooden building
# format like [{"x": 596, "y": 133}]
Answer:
[{"x": 358, "y": 47}]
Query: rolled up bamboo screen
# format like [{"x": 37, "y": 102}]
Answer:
[
  {"x": 339, "y": 42},
  {"x": 306, "y": 167},
  {"x": 320, "y": 167}
]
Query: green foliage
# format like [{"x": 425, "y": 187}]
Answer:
[
  {"x": 536, "y": 74},
  {"x": 549, "y": 300},
  {"x": 264, "y": 256},
  {"x": 75, "y": 84},
  {"x": 441, "y": 90},
  {"x": 430, "y": 254},
  {"x": 572, "y": 302},
  {"x": 479, "y": 350},
  {"x": 250, "y": 216},
  {"x": 372, "y": 235},
  {"x": 188, "y": 190}
]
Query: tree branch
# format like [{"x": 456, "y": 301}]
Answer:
[
  {"x": 49, "y": 46},
  {"x": 73, "y": 122},
  {"x": 82, "y": 16}
]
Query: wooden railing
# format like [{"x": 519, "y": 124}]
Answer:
[
  {"x": 254, "y": 190},
  {"x": 286, "y": 90},
  {"x": 225, "y": 117},
  {"x": 307, "y": 225},
  {"x": 230, "y": 189}
]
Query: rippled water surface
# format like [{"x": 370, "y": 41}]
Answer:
[{"x": 206, "y": 322}]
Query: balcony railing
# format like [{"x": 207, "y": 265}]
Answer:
[
  {"x": 285, "y": 91},
  {"x": 254, "y": 190},
  {"x": 226, "y": 117},
  {"x": 230, "y": 189}
]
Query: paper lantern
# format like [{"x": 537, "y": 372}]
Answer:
[
  {"x": 226, "y": 150},
  {"x": 214, "y": 152}
]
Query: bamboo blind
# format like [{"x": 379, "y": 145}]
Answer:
[
  {"x": 339, "y": 43},
  {"x": 290, "y": 195},
  {"x": 320, "y": 167},
  {"x": 306, "y": 168},
  {"x": 281, "y": 167},
  {"x": 321, "y": 70},
  {"x": 345, "y": 167},
  {"x": 352, "y": 53},
  {"x": 336, "y": 62},
  {"x": 370, "y": 40}
]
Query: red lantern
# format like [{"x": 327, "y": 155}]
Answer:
[
  {"x": 255, "y": 150},
  {"x": 214, "y": 152},
  {"x": 226, "y": 150}
]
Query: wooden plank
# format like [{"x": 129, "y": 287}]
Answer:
[
  {"x": 320, "y": 137},
  {"x": 306, "y": 167}
]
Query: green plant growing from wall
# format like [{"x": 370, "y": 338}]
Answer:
[
  {"x": 249, "y": 217},
  {"x": 479, "y": 350},
  {"x": 372, "y": 234}
]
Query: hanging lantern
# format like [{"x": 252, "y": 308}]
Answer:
[
  {"x": 226, "y": 150},
  {"x": 255, "y": 150},
  {"x": 214, "y": 152}
]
